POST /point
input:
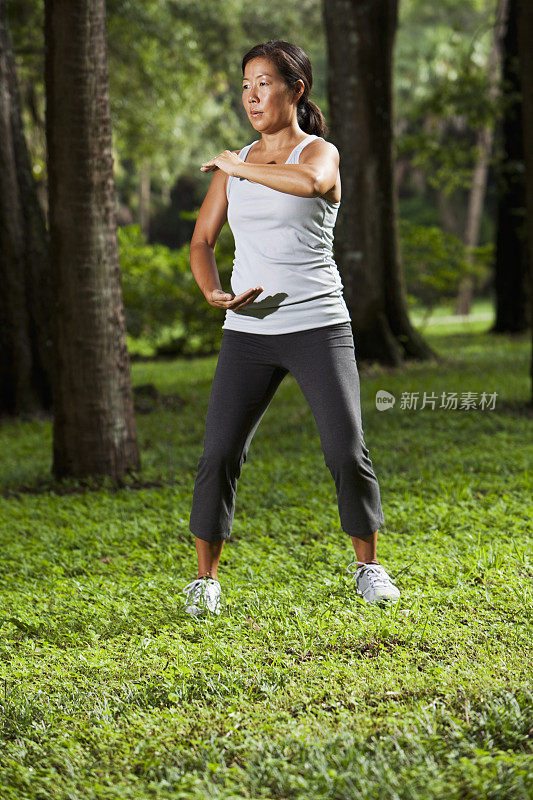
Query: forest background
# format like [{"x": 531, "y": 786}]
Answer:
[{"x": 174, "y": 82}]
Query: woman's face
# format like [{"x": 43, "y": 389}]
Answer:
[{"x": 268, "y": 101}]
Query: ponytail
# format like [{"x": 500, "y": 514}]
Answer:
[{"x": 311, "y": 119}]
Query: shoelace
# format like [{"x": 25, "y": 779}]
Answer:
[
  {"x": 376, "y": 577},
  {"x": 196, "y": 587},
  {"x": 359, "y": 563},
  {"x": 374, "y": 572}
]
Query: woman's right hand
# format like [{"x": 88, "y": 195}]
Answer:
[{"x": 221, "y": 299}]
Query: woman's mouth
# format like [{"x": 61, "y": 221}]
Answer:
[{"x": 256, "y": 113}]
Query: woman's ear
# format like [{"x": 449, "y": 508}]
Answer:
[{"x": 299, "y": 88}]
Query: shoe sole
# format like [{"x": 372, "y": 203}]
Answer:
[
  {"x": 200, "y": 612},
  {"x": 381, "y": 600},
  {"x": 384, "y": 601}
]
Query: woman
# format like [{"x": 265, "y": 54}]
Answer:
[{"x": 286, "y": 313}]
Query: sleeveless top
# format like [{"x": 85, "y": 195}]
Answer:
[{"x": 283, "y": 243}]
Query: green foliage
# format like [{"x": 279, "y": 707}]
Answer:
[
  {"x": 441, "y": 87},
  {"x": 165, "y": 310},
  {"x": 435, "y": 262},
  {"x": 162, "y": 88},
  {"x": 299, "y": 689},
  {"x": 154, "y": 282},
  {"x": 174, "y": 76}
]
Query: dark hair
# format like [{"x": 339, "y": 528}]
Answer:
[{"x": 293, "y": 64}]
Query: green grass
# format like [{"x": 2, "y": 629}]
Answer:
[
  {"x": 299, "y": 689},
  {"x": 443, "y": 319}
]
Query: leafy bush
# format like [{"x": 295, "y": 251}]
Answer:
[
  {"x": 435, "y": 262},
  {"x": 166, "y": 313}
]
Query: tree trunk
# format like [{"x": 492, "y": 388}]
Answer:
[
  {"x": 525, "y": 51},
  {"x": 476, "y": 199},
  {"x": 25, "y": 299},
  {"x": 510, "y": 274},
  {"x": 144, "y": 198},
  {"x": 360, "y": 37},
  {"x": 94, "y": 422},
  {"x": 451, "y": 211}
]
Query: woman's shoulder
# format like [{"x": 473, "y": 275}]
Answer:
[
  {"x": 319, "y": 145},
  {"x": 321, "y": 141}
]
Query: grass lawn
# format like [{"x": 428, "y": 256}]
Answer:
[{"x": 299, "y": 689}]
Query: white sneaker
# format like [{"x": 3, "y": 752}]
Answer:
[
  {"x": 203, "y": 596},
  {"x": 373, "y": 583}
]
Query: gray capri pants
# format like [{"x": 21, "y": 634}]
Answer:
[{"x": 249, "y": 369}]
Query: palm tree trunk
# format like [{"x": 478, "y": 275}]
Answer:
[
  {"x": 360, "y": 36},
  {"x": 476, "y": 199},
  {"x": 94, "y": 422},
  {"x": 525, "y": 51},
  {"x": 511, "y": 262},
  {"x": 25, "y": 299}
]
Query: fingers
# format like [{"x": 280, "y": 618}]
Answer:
[
  {"x": 217, "y": 298},
  {"x": 239, "y": 300},
  {"x": 210, "y": 166},
  {"x": 246, "y": 297}
]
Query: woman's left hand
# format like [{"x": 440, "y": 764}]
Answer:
[{"x": 226, "y": 161}]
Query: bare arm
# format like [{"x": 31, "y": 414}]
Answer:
[
  {"x": 211, "y": 218},
  {"x": 209, "y": 222},
  {"x": 315, "y": 175}
]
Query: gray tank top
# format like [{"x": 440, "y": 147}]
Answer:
[{"x": 283, "y": 243}]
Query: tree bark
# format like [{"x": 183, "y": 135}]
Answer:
[
  {"x": 511, "y": 263},
  {"x": 94, "y": 422},
  {"x": 525, "y": 51},
  {"x": 360, "y": 37},
  {"x": 25, "y": 299},
  {"x": 476, "y": 198}
]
